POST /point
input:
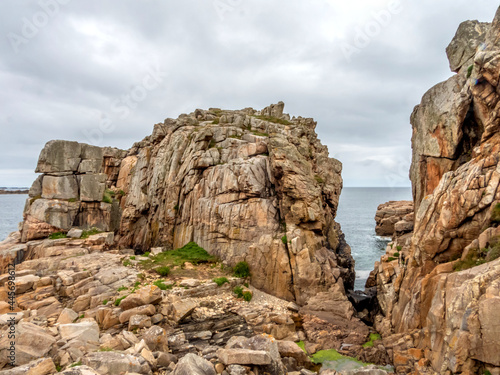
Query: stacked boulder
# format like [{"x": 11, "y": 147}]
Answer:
[{"x": 71, "y": 189}]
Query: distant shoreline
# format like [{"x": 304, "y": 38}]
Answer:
[{"x": 13, "y": 191}]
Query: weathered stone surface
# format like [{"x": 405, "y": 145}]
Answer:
[
  {"x": 392, "y": 213},
  {"x": 156, "y": 339},
  {"x": 60, "y": 187},
  {"x": 92, "y": 187},
  {"x": 435, "y": 316},
  {"x": 148, "y": 310},
  {"x": 146, "y": 295},
  {"x": 42, "y": 366},
  {"x": 110, "y": 363},
  {"x": 191, "y": 364},
  {"x": 67, "y": 316},
  {"x": 243, "y": 357},
  {"x": 84, "y": 331},
  {"x": 59, "y": 156},
  {"x": 32, "y": 342},
  {"x": 79, "y": 370},
  {"x": 463, "y": 47},
  {"x": 139, "y": 321},
  {"x": 74, "y": 233}
]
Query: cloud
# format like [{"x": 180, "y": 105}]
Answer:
[{"x": 72, "y": 74}]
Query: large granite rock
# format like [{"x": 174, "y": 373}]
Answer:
[
  {"x": 437, "y": 299},
  {"x": 245, "y": 186},
  {"x": 463, "y": 47},
  {"x": 394, "y": 216}
]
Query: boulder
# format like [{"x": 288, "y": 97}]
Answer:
[
  {"x": 67, "y": 316},
  {"x": 147, "y": 310},
  {"x": 74, "y": 233},
  {"x": 243, "y": 357},
  {"x": 139, "y": 321},
  {"x": 92, "y": 187},
  {"x": 83, "y": 331},
  {"x": 463, "y": 47},
  {"x": 191, "y": 364},
  {"x": 146, "y": 295},
  {"x": 79, "y": 370},
  {"x": 59, "y": 156},
  {"x": 60, "y": 187},
  {"x": 42, "y": 366},
  {"x": 111, "y": 363},
  {"x": 156, "y": 339},
  {"x": 32, "y": 342}
]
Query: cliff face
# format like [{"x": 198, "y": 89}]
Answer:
[
  {"x": 245, "y": 185},
  {"x": 450, "y": 312}
]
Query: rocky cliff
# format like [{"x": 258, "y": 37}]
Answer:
[
  {"x": 440, "y": 301},
  {"x": 246, "y": 185}
]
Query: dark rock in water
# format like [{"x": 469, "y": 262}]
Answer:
[{"x": 365, "y": 303}]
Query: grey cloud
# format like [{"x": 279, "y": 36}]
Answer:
[{"x": 64, "y": 81}]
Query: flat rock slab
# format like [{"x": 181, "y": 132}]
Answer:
[{"x": 243, "y": 357}]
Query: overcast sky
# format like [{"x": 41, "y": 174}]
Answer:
[{"x": 104, "y": 72}]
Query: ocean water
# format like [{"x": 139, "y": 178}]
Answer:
[
  {"x": 11, "y": 212},
  {"x": 356, "y": 215}
]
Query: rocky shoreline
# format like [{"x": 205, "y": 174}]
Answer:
[
  {"x": 211, "y": 247},
  {"x": 14, "y": 191}
]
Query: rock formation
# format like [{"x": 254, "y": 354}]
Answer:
[
  {"x": 440, "y": 296},
  {"x": 246, "y": 185},
  {"x": 394, "y": 216}
]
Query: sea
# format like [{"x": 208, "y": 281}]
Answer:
[{"x": 356, "y": 215}]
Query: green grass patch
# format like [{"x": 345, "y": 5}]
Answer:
[
  {"x": 235, "y": 136},
  {"x": 302, "y": 345},
  {"x": 72, "y": 200},
  {"x": 326, "y": 355},
  {"x": 220, "y": 280},
  {"x": 469, "y": 71},
  {"x": 127, "y": 262},
  {"x": 260, "y": 134},
  {"x": 399, "y": 248},
  {"x": 121, "y": 288},
  {"x": 495, "y": 214},
  {"x": 284, "y": 239},
  {"x": 108, "y": 196},
  {"x": 132, "y": 257},
  {"x": 119, "y": 300},
  {"x": 390, "y": 259},
  {"x": 90, "y": 232},
  {"x": 190, "y": 252},
  {"x": 396, "y": 254},
  {"x": 247, "y": 296},
  {"x": 318, "y": 179},
  {"x": 105, "y": 302},
  {"x": 76, "y": 364},
  {"x": 211, "y": 144},
  {"x": 161, "y": 284},
  {"x": 274, "y": 119},
  {"x": 373, "y": 337},
  {"x": 474, "y": 258},
  {"x": 238, "y": 290},
  {"x": 57, "y": 235},
  {"x": 163, "y": 270},
  {"x": 105, "y": 349},
  {"x": 215, "y": 121},
  {"x": 242, "y": 269}
]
